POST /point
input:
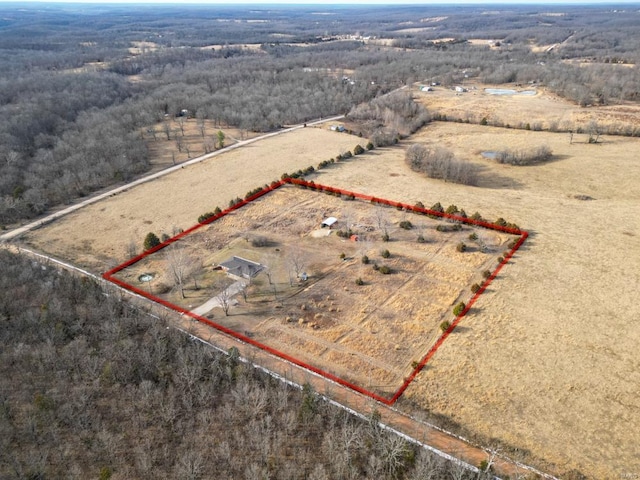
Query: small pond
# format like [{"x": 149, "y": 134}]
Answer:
[
  {"x": 145, "y": 277},
  {"x": 489, "y": 154},
  {"x": 507, "y": 91}
]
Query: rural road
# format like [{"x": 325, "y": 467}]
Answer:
[
  {"x": 17, "y": 232},
  {"x": 445, "y": 444}
]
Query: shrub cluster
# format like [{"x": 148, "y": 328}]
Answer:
[
  {"x": 251, "y": 193},
  {"x": 234, "y": 201},
  {"x": 150, "y": 241},
  {"x": 438, "y": 162},
  {"x": 501, "y": 222},
  {"x": 406, "y": 224},
  {"x": 457, "y": 310},
  {"x": 205, "y": 216},
  {"x": 299, "y": 174},
  {"x": 384, "y": 269},
  {"x": 454, "y": 227},
  {"x": 524, "y": 157},
  {"x": 325, "y": 163},
  {"x": 344, "y": 233}
]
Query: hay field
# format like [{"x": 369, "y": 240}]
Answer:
[
  {"x": 549, "y": 362},
  {"x": 97, "y": 237},
  {"x": 368, "y": 334},
  {"x": 544, "y": 108}
]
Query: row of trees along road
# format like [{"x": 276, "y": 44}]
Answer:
[
  {"x": 90, "y": 387},
  {"x": 75, "y": 101}
]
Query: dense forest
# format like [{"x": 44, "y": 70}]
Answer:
[
  {"x": 80, "y": 85},
  {"x": 91, "y": 387}
]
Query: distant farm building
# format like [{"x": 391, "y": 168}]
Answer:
[
  {"x": 337, "y": 128},
  {"x": 328, "y": 223},
  {"x": 241, "y": 267}
]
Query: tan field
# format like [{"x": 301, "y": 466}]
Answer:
[
  {"x": 97, "y": 237},
  {"x": 196, "y": 138},
  {"x": 543, "y": 109},
  {"x": 548, "y": 361},
  {"x": 371, "y": 334}
]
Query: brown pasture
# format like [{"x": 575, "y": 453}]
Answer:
[
  {"x": 367, "y": 334},
  {"x": 548, "y": 361},
  {"x": 543, "y": 109}
]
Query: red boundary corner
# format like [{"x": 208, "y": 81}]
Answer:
[{"x": 322, "y": 188}]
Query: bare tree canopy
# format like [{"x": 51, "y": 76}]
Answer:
[{"x": 180, "y": 265}]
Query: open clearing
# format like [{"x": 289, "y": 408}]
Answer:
[
  {"x": 543, "y": 109},
  {"x": 548, "y": 362},
  {"x": 97, "y": 237},
  {"x": 371, "y": 335}
]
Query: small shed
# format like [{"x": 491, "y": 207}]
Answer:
[{"x": 328, "y": 222}]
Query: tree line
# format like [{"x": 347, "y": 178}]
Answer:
[
  {"x": 92, "y": 387},
  {"x": 75, "y": 102}
]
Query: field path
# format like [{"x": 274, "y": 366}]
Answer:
[
  {"x": 444, "y": 444},
  {"x": 17, "y": 232},
  {"x": 441, "y": 442}
]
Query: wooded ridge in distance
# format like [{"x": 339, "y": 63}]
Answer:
[
  {"x": 85, "y": 90},
  {"x": 413, "y": 107}
]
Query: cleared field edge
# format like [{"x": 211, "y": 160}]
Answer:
[{"x": 109, "y": 276}]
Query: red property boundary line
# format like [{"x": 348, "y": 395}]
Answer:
[{"x": 109, "y": 276}]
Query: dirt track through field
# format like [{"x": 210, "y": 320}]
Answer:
[
  {"x": 547, "y": 362},
  {"x": 549, "y": 356}
]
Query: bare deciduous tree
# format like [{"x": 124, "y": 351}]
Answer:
[
  {"x": 224, "y": 298},
  {"x": 295, "y": 263},
  {"x": 179, "y": 265},
  {"x": 166, "y": 128},
  {"x": 382, "y": 220}
]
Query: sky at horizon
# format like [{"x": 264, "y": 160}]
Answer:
[{"x": 337, "y": 2}]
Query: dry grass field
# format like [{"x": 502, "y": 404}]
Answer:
[
  {"x": 97, "y": 237},
  {"x": 196, "y": 138},
  {"x": 548, "y": 361},
  {"x": 544, "y": 108},
  {"x": 367, "y": 334}
]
